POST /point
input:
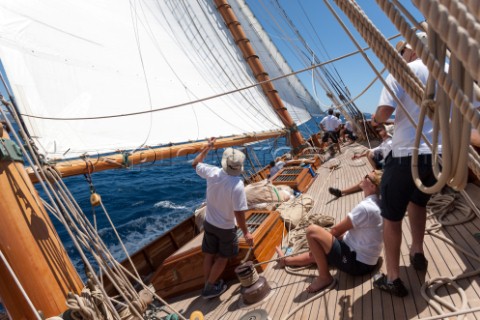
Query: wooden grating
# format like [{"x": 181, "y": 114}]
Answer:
[
  {"x": 253, "y": 222},
  {"x": 298, "y": 178}
]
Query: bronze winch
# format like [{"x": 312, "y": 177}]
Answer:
[{"x": 254, "y": 287}]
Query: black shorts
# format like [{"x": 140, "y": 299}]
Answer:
[
  {"x": 330, "y": 134},
  {"x": 223, "y": 242},
  {"x": 378, "y": 160},
  {"x": 350, "y": 135},
  {"x": 344, "y": 259},
  {"x": 398, "y": 187}
]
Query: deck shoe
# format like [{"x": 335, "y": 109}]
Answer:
[
  {"x": 336, "y": 192},
  {"x": 419, "y": 262},
  {"x": 395, "y": 287},
  {"x": 215, "y": 290},
  {"x": 220, "y": 283}
]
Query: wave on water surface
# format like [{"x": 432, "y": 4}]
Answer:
[{"x": 168, "y": 205}]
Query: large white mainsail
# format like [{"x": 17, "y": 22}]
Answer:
[{"x": 73, "y": 65}]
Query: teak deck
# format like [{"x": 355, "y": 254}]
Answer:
[{"x": 355, "y": 297}]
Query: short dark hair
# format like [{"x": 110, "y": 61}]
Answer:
[
  {"x": 272, "y": 163},
  {"x": 330, "y": 111}
]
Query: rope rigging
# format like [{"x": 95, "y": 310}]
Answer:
[{"x": 94, "y": 299}]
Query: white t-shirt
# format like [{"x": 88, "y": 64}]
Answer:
[
  {"x": 404, "y": 132},
  {"x": 277, "y": 167},
  {"x": 348, "y": 126},
  {"x": 384, "y": 148},
  {"x": 366, "y": 236},
  {"x": 225, "y": 194},
  {"x": 330, "y": 122}
]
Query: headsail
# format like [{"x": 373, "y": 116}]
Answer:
[
  {"x": 299, "y": 102},
  {"x": 129, "y": 76}
]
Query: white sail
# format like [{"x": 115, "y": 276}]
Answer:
[{"x": 80, "y": 69}]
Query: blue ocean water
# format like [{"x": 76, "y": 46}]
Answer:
[{"x": 145, "y": 201}]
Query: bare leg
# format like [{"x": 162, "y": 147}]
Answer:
[
  {"x": 303, "y": 259},
  {"x": 352, "y": 189},
  {"x": 392, "y": 237},
  {"x": 417, "y": 216},
  {"x": 320, "y": 242},
  {"x": 208, "y": 261},
  {"x": 217, "y": 269}
]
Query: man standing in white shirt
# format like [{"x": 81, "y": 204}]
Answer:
[
  {"x": 398, "y": 191},
  {"x": 330, "y": 125},
  {"x": 226, "y": 205}
]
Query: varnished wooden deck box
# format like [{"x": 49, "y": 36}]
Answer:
[
  {"x": 298, "y": 178},
  {"x": 183, "y": 270}
]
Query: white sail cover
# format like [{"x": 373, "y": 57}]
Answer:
[{"x": 95, "y": 76}]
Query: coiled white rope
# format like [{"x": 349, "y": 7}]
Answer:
[{"x": 443, "y": 205}]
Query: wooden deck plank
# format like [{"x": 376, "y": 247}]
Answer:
[{"x": 355, "y": 297}]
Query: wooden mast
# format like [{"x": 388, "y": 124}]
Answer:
[
  {"x": 31, "y": 247},
  {"x": 296, "y": 138}
]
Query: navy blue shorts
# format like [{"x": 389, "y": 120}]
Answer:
[
  {"x": 398, "y": 187},
  {"x": 341, "y": 257},
  {"x": 223, "y": 242}
]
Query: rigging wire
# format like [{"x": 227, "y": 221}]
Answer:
[
  {"x": 197, "y": 25},
  {"x": 227, "y": 73},
  {"x": 41, "y": 175}
]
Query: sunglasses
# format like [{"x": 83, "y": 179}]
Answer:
[{"x": 371, "y": 180}]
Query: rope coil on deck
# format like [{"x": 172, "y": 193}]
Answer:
[{"x": 441, "y": 205}]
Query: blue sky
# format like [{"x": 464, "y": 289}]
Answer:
[{"x": 322, "y": 33}]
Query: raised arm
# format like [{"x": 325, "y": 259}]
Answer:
[{"x": 201, "y": 156}]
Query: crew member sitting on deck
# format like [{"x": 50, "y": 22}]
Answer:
[
  {"x": 277, "y": 166},
  {"x": 353, "y": 245},
  {"x": 375, "y": 156}
]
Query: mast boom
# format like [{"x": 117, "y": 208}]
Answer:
[{"x": 116, "y": 161}]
